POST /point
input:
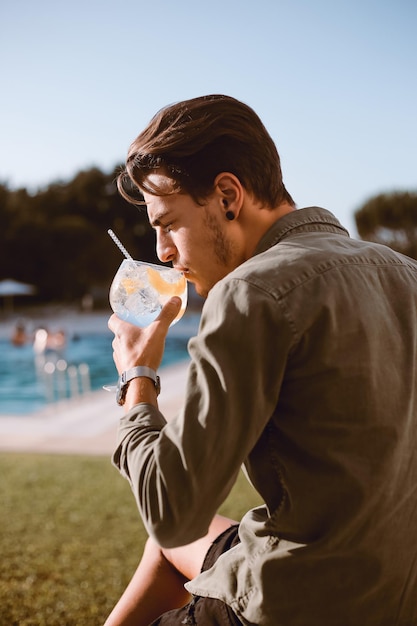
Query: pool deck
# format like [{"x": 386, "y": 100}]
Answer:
[{"x": 87, "y": 425}]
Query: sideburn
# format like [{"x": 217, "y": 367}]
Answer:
[{"x": 222, "y": 248}]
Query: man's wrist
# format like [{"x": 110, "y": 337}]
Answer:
[{"x": 135, "y": 372}]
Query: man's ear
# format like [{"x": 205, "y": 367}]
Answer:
[{"x": 231, "y": 194}]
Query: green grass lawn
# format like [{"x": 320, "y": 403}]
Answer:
[{"x": 71, "y": 537}]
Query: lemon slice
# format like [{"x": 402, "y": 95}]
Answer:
[
  {"x": 162, "y": 286},
  {"x": 130, "y": 285}
]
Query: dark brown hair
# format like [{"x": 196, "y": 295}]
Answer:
[{"x": 194, "y": 140}]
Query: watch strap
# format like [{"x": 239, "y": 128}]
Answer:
[{"x": 136, "y": 372}]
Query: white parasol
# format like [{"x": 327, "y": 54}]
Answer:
[{"x": 10, "y": 288}]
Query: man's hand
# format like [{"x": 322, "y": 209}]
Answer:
[{"x": 142, "y": 346}]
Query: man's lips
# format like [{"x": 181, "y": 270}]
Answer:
[{"x": 184, "y": 270}]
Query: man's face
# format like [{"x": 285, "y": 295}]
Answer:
[{"x": 192, "y": 237}]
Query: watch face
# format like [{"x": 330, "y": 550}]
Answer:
[
  {"x": 120, "y": 392},
  {"x": 158, "y": 385}
]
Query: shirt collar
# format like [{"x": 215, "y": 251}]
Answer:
[{"x": 308, "y": 219}]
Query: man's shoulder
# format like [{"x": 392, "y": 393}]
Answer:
[{"x": 306, "y": 255}]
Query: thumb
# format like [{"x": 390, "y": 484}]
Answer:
[{"x": 170, "y": 311}]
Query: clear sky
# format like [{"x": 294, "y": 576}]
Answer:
[{"x": 335, "y": 82}]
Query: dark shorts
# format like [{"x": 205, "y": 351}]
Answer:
[{"x": 203, "y": 611}]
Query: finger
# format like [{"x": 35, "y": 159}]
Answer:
[
  {"x": 169, "y": 311},
  {"x": 116, "y": 325},
  {"x": 112, "y": 322}
]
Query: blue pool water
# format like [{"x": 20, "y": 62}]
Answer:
[{"x": 28, "y": 381}]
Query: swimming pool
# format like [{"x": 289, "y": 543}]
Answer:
[{"x": 29, "y": 381}]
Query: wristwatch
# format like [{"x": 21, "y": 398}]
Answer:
[{"x": 135, "y": 372}]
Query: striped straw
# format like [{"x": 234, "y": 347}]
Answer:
[{"x": 119, "y": 244}]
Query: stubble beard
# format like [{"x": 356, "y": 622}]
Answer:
[{"x": 222, "y": 249}]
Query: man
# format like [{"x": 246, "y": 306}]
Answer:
[{"x": 303, "y": 371}]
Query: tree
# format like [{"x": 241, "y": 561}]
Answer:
[
  {"x": 390, "y": 219},
  {"x": 57, "y": 238}
]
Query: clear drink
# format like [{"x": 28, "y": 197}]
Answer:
[{"x": 139, "y": 290}]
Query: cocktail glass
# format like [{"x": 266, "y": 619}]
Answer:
[{"x": 139, "y": 290}]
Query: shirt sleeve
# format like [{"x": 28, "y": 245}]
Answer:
[{"x": 181, "y": 472}]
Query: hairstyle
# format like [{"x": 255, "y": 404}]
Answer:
[{"x": 195, "y": 140}]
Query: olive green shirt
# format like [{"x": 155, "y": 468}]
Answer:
[{"x": 304, "y": 370}]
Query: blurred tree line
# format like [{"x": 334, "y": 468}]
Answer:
[
  {"x": 56, "y": 239},
  {"x": 390, "y": 219}
]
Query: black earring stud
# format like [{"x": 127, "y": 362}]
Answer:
[{"x": 230, "y": 215}]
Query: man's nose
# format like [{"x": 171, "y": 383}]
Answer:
[{"x": 165, "y": 249}]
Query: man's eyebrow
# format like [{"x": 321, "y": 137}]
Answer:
[{"x": 159, "y": 218}]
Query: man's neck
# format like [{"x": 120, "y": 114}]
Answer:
[{"x": 258, "y": 220}]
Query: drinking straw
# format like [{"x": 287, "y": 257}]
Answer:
[{"x": 119, "y": 244}]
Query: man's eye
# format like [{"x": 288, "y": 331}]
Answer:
[{"x": 167, "y": 228}]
